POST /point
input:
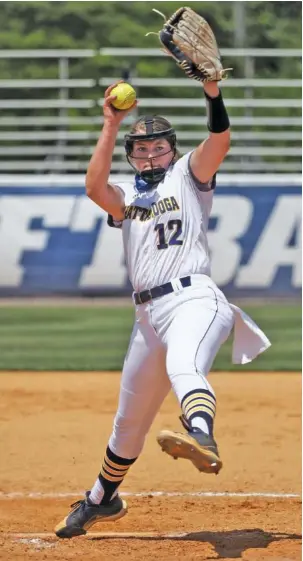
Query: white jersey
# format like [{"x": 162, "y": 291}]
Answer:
[{"x": 165, "y": 229}]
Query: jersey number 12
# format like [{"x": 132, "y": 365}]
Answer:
[{"x": 176, "y": 227}]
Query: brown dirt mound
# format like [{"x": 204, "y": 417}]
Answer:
[{"x": 54, "y": 428}]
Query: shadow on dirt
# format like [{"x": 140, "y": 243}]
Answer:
[{"x": 229, "y": 544}]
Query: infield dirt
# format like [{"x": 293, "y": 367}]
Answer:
[{"x": 54, "y": 428}]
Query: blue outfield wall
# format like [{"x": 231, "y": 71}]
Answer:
[{"x": 54, "y": 240}]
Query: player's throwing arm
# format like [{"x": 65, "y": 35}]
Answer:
[{"x": 119, "y": 100}]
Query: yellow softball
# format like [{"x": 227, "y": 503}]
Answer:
[{"x": 126, "y": 96}]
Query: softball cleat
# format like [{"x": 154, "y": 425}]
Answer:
[
  {"x": 85, "y": 514},
  {"x": 196, "y": 446}
]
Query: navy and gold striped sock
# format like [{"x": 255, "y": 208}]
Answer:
[
  {"x": 200, "y": 403},
  {"x": 113, "y": 471}
]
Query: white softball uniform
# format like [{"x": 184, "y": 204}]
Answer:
[
  {"x": 164, "y": 231},
  {"x": 176, "y": 336}
]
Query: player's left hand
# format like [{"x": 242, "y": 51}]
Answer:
[{"x": 189, "y": 39}]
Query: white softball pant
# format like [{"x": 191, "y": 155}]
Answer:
[{"x": 173, "y": 344}]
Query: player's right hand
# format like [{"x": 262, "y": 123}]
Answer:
[{"x": 113, "y": 116}]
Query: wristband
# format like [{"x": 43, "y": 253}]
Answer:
[{"x": 217, "y": 118}]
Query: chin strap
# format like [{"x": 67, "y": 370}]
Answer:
[{"x": 148, "y": 179}]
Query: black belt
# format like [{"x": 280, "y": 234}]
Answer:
[{"x": 157, "y": 291}]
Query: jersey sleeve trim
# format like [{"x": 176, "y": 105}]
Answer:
[
  {"x": 208, "y": 186},
  {"x": 113, "y": 223}
]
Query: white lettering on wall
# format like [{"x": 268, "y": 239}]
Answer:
[
  {"x": 234, "y": 215},
  {"x": 272, "y": 250},
  {"x": 107, "y": 266},
  {"x": 16, "y": 214}
]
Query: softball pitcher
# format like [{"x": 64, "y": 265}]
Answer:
[{"x": 182, "y": 318}]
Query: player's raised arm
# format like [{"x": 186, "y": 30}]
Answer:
[
  {"x": 107, "y": 196},
  {"x": 189, "y": 39},
  {"x": 208, "y": 156}
]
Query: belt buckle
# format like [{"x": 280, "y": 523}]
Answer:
[{"x": 177, "y": 286}]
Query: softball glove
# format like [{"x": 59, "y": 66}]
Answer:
[{"x": 189, "y": 39}]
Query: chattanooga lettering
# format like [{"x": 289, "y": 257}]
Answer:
[{"x": 167, "y": 204}]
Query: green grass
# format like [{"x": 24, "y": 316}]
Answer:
[{"x": 87, "y": 338}]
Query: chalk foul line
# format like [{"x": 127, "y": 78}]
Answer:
[
  {"x": 206, "y": 494},
  {"x": 32, "y": 537}
]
